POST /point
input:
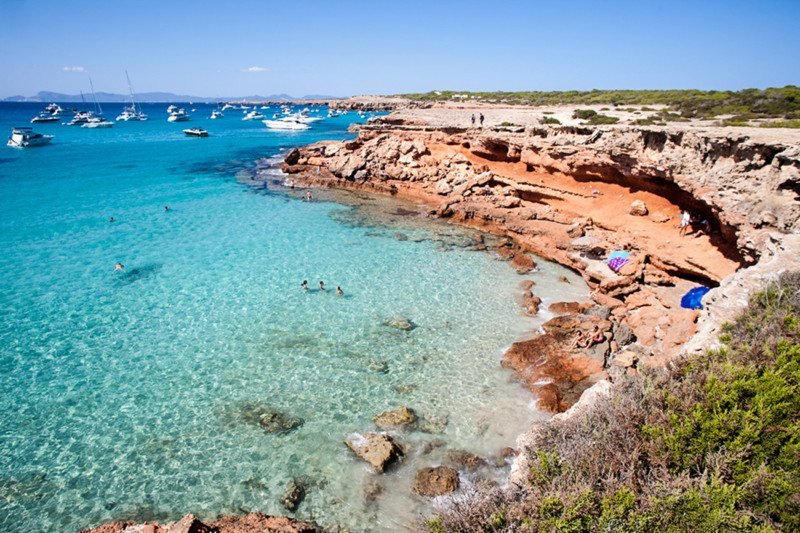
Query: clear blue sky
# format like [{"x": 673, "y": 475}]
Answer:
[{"x": 349, "y": 47}]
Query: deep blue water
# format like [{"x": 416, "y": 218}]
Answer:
[{"x": 124, "y": 395}]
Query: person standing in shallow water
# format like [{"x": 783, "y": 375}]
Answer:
[
  {"x": 339, "y": 291},
  {"x": 304, "y": 285},
  {"x": 321, "y": 285},
  {"x": 119, "y": 267}
]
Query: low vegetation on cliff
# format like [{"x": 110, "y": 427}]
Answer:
[
  {"x": 782, "y": 102},
  {"x": 713, "y": 444}
]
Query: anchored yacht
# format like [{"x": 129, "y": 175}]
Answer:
[
  {"x": 253, "y": 115},
  {"x": 97, "y": 122},
  {"x": 44, "y": 117},
  {"x": 285, "y": 123},
  {"x": 196, "y": 132},
  {"x": 216, "y": 114},
  {"x": 24, "y": 137},
  {"x": 178, "y": 115}
]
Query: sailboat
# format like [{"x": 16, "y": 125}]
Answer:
[
  {"x": 81, "y": 117},
  {"x": 96, "y": 121},
  {"x": 131, "y": 112}
]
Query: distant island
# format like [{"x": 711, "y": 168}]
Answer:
[{"x": 157, "y": 97}]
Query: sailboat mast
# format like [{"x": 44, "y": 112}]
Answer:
[
  {"x": 130, "y": 89},
  {"x": 99, "y": 108}
]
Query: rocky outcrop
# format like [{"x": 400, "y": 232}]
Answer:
[
  {"x": 248, "y": 523},
  {"x": 378, "y": 449},
  {"x": 435, "y": 481}
]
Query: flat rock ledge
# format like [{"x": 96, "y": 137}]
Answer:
[
  {"x": 400, "y": 418},
  {"x": 248, "y": 523},
  {"x": 436, "y": 481},
  {"x": 378, "y": 449}
]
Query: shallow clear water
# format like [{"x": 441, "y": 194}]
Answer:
[{"x": 126, "y": 395}]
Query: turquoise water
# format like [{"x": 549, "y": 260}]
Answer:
[{"x": 125, "y": 396}]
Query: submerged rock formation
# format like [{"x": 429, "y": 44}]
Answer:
[
  {"x": 248, "y": 523},
  {"x": 435, "y": 481}
]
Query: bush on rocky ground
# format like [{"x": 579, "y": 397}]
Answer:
[{"x": 712, "y": 444}]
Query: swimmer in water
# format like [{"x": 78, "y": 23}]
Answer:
[
  {"x": 339, "y": 291},
  {"x": 321, "y": 285},
  {"x": 110, "y": 220},
  {"x": 304, "y": 285},
  {"x": 166, "y": 208},
  {"x": 120, "y": 267}
]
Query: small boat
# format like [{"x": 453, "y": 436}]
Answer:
[
  {"x": 228, "y": 106},
  {"x": 178, "y": 115},
  {"x": 81, "y": 117},
  {"x": 24, "y": 137},
  {"x": 44, "y": 117},
  {"x": 97, "y": 122},
  {"x": 172, "y": 108},
  {"x": 53, "y": 109},
  {"x": 285, "y": 124},
  {"x": 216, "y": 114},
  {"x": 196, "y": 132},
  {"x": 253, "y": 115}
]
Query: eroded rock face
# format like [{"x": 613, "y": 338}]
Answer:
[
  {"x": 435, "y": 481},
  {"x": 400, "y": 418},
  {"x": 378, "y": 449}
]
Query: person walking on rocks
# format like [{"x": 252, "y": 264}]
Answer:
[
  {"x": 481, "y": 117},
  {"x": 473, "y": 120},
  {"x": 686, "y": 220}
]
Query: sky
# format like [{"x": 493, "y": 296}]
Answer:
[{"x": 347, "y": 47}]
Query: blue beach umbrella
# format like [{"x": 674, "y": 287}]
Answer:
[{"x": 692, "y": 299}]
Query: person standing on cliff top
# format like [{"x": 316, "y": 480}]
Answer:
[
  {"x": 473, "y": 120},
  {"x": 481, "y": 117}
]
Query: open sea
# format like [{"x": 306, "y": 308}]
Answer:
[{"x": 133, "y": 395}]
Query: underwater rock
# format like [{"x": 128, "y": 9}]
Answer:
[
  {"x": 293, "y": 495},
  {"x": 433, "y": 423},
  {"x": 400, "y": 418},
  {"x": 378, "y": 449},
  {"x": 399, "y": 322},
  {"x": 405, "y": 388},
  {"x": 269, "y": 419},
  {"x": 435, "y": 481}
]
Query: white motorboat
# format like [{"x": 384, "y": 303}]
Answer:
[
  {"x": 253, "y": 115},
  {"x": 53, "y": 109},
  {"x": 196, "y": 132},
  {"x": 178, "y": 115},
  {"x": 172, "y": 108},
  {"x": 216, "y": 114},
  {"x": 285, "y": 123},
  {"x": 97, "y": 122},
  {"x": 228, "y": 106},
  {"x": 44, "y": 117},
  {"x": 81, "y": 117},
  {"x": 24, "y": 137}
]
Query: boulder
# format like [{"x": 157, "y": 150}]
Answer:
[
  {"x": 625, "y": 359},
  {"x": 602, "y": 311},
  {"x": 564, "y": 308},
  {"x": 293, "y": 495},
  {"x": 531, "y": 304},
  {"x": 435, "y": 481},
  {"x": 462, "y": 459},
  {"x": 623, "y": 335},
  {"x": 377, "y": 449},
  {"x": 400, "y": 418},
  {"x": 399, "y": 322},
  {"x": 638, "y": 208},
  {"x": 292, "y": 157},
  {"x": 522, "y": 263},
  {"x": 277, "y": 422},
  {"x": 443, "y": 187}
]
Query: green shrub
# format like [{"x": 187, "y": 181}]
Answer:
[
  {"x": 584, "y": 114},
  {"x": 782, "y": 124},
  {"x": 550, "y": 120},
  {"x": 602, "y": 119}
]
